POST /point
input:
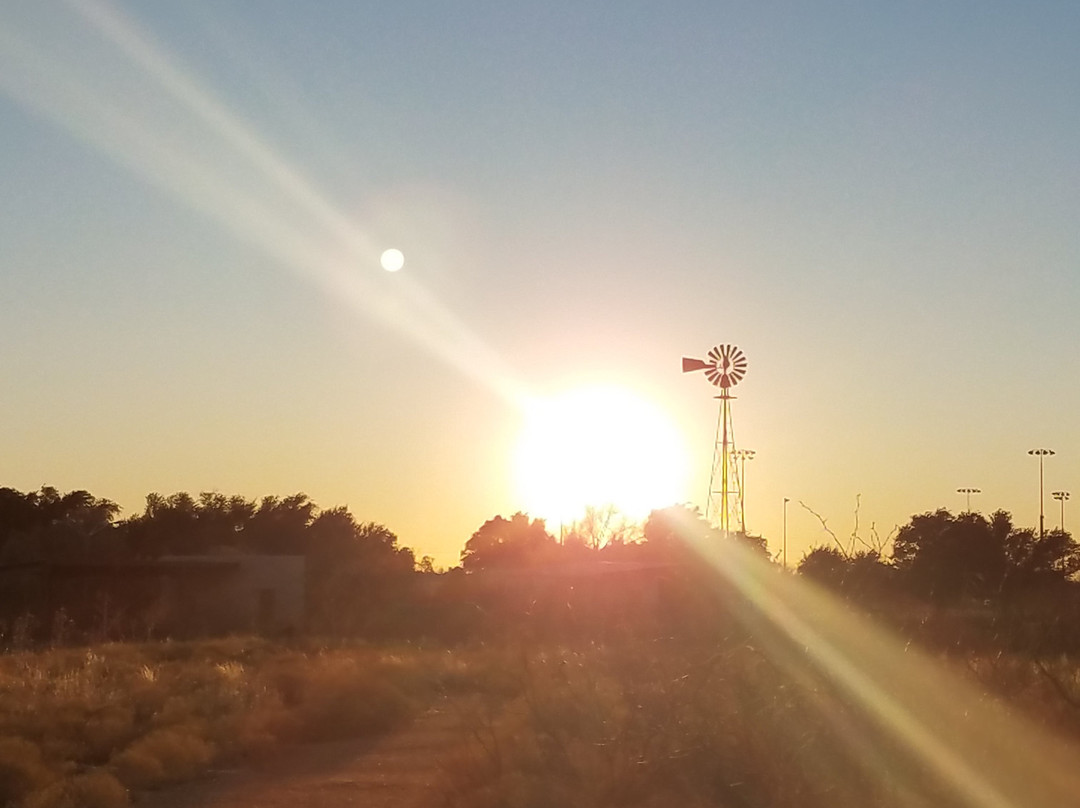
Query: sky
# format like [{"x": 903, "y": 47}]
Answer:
[{"x": 876, "y": 202}]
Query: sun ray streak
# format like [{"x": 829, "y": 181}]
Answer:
[
  {"x": 121, "y": 94},
  {"x": 201, "y": 103},
  {"x": 989, "y": 757}
]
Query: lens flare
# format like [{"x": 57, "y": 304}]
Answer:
[
  {"x": 392, "y": 260},
  {"x": 89, "y": 69},
  {"x": 986, "y": 755}
]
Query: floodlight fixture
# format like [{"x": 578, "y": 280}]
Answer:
[
  {"x": 1041, "y": 454},
  {"x": 968, "y": 492},
  {"x": 1062, "y": 497}
]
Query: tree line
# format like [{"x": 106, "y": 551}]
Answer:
[
  {"x": 605, "y": 574},
  {"x": 945, "y": 558}
]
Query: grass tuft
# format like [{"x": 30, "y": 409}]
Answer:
[
  {"x": 93, "y": 789},
  {"x": 163, "y": 756},
  {"x": 22, "y": 769}
]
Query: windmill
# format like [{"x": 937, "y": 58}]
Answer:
[{"x": 724, "y": 367}]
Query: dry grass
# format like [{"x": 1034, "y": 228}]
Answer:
[
  {"x": 628, "y": 723},
  {"x": 88, "y": 727},
  {"x": 674, "y": 723}
]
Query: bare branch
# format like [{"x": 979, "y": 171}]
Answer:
[
  {"x": 826, "y": 528},
  {"x": 855, "y": 537}
]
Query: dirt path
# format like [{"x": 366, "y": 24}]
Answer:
[{"x": 401, "y": 770}]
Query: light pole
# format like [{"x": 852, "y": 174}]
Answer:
[
  {"x": 785, "y": 532},
  {"x": 1041, "y": 453},
  {"x": 742, "y": 455},
  {"x": 1062, "y": 497},
  {"x": 968, "y": 492}
]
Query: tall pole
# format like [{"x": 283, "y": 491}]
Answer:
[
  {"x": 1041, "y": 453},
  {"x": 968, "y": 492},
  {"x": 785, "y": 532},
  {"x": 1062, "y": 497},
  {"x": 724, "y": 474},
  {"x": 743, "y": 455}
]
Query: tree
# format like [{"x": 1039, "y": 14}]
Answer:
[
  {"x": 1038, "y": 562},
  {"x": 677, "y": 528},
  {"x": 826, "y": 566},
  {"x": 508, "y": 543},
  {"x": 279, "y": 525},
  {"x": 18, "y": 513},
  {"x": 356, "y": 573},
  {"x": 673, "y": 529},
  {"x": 948, "y": 558},
  {"x": 863, "y": 575},
  {"x": 46, "y": 525},
  {"x": 600, "y": 527},
  {"x": 180, "y": 524}
]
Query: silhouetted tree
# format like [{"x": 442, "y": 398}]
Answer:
[
  {"x": 279, "y": 525},
  {"x": 1033, "y": 562},
  {"x": 46, "y": 525},
  {"x": 359, "y": 578},
  {"x": 863, "y": 575},
  {"x": 947, "y": 558},
  {"x": 508, "y": 543},
  {"x": 18, "y": 513},
  {"x": 180, "y": 524},
  {"x": 825, "y": 565},
  {"x": 677, "y": 528},
  {"x": 600, "y": 527},
  {"x": 674, "y": 530}
]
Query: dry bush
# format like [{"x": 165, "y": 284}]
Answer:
[
  {"x": 331, "y": 697},
  {"x": 1047, "y": 690},
  {"x": 160, "y": 712},
  {"x": 22, "y": 769},
  {"x": 93, "y": 789},
  {"x": 163, "y": 756}
]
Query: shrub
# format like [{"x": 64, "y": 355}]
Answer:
[
  {"x": 330, "y": 698},
  {"x": 94, "y": 789},
  {"x": 22, "y": 769},
  {"x": 163, "y": 756}
]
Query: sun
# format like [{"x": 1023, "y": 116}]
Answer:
[{"x": 598, "y": 446}]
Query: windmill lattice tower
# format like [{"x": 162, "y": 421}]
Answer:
[{"x": 725, "y": 367}]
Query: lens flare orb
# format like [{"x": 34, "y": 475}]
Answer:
[{"x": 392, "y": 260}]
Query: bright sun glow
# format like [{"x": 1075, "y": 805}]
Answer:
[{"x": 598, "y": 446}]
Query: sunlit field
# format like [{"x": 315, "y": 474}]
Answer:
[
  {"x": 631, "y": 721},
  {"x": 97, "y": 726}
]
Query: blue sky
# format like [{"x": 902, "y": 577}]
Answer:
[{"x": 876, "y": 202}]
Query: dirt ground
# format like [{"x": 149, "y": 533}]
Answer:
[{"x": 402, "y": 770}]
